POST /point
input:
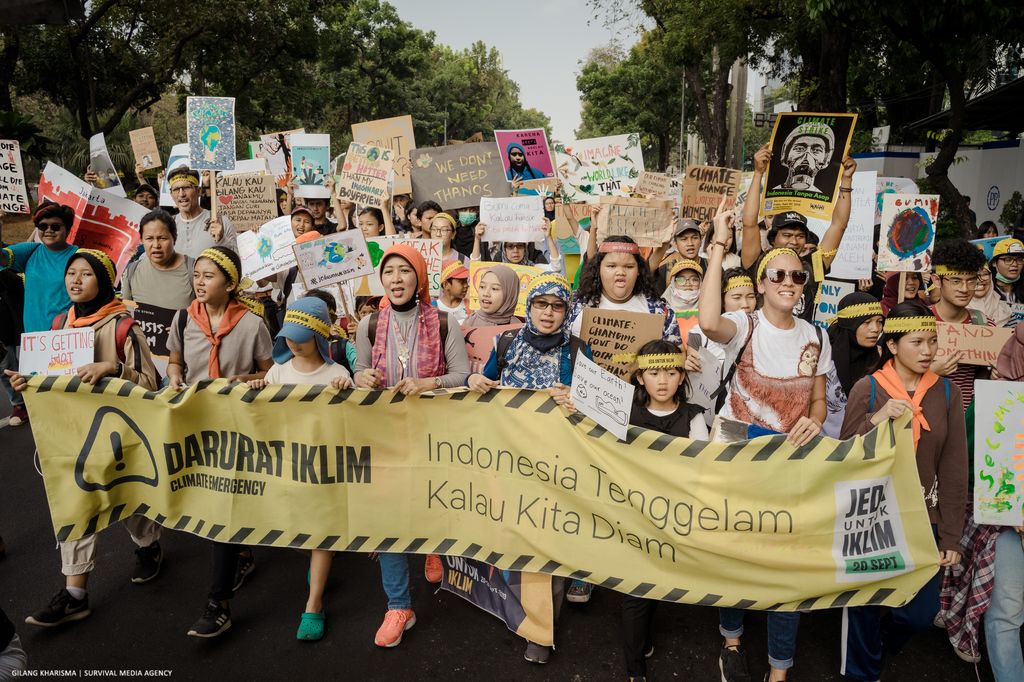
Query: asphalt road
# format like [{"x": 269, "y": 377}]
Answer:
[{"x": 142, "y": 627}]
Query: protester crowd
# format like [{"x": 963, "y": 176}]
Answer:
[{"x": 741, "y": 286}]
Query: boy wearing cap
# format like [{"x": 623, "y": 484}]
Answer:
[
  {"x": 1007, "y": 259},
  {"x": 789, "y": 230},
  {"x": 454, "y": 286},
  {"x": 687, "y": 242}
]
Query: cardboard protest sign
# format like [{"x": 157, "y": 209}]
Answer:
[
  {"x": 616, "y": 335},
  {"x": 430, "y": 249},
  {"x": 656, "y": 185},
  {"x": 599, "y": 166},
  {"x": 211, "y": 132},
  {"x": 480, "y": 343},
  {"x": 458, "y": 175},
  {"x": 908, "y": 232},
  {"x": 853, "y": 261},
  {"x": 602, "y": 396},
  {"x": 832, "y": 292},
  {"x": 311, "y": 160},
  {"x": 60, "y": 352},
  {"x": 525, "y": 154},
  {"x": 268, "y": 250},
  {"x": 703, "y": 187},
  {"x": 364, "y": 175},
  {"x": 101, "y": 164},
  {"x": 477, "y": 269},
  {"x": 806, "y": 164},
  {"x": 147, "y": 154},
  {"x": 647, "y": 221},
  {"x": 397, "y": 135},
  {"x": 103, "y": 221},
  {"x": 247, "y": 199},
  {"x": 979, "y": 343},
  {"x": 885, "y": 186},
  {"x": 333, "y": 259},
  {"x": 276, "y": 149},
  {"x": 177, "y": 157},
  {"x": 13, "y": 197},
  {"x": 998, "y": 434},
  {"x": 513, "y": 219}
]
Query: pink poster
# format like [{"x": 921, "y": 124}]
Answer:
[{"x": 525, "y": 154}]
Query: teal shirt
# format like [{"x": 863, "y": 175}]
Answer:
[{"x": 45, "y": 293}]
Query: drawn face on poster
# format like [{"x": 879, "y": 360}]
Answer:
[{"x": 807, "y": 155}]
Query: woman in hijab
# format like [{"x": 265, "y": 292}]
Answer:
[
  {"x": 498, "y": 293},
  {"x": 987, "y": 300},
  {"x": 853, "y": 335}
]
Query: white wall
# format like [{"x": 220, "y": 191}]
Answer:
[{"x": 988, "y": 176}]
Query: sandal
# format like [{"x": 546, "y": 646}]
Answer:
[{"x": 311, "y": 627}]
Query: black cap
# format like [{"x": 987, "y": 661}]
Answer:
[{"x": 789, "y": 219}]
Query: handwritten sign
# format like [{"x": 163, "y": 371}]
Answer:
[
  {"x": 513, "y": 219},
  {"x": 703, "y": 187},
  {"x": 885, "y": 186},
  {"x": 980, "y": 343},
  {"x": 998, "y": 435},
  {"x": 147, "y": 154},
  {"x": 430, "y": 249},
  {"x": 268, "y": 250},
  {"x": 657, "y": 185},
  {"x": 13, "y": 197},
  {"x": 907, "y": 235},
  {"x": 647, "y": 221},
  {"x": 616, "y": 335},
  {"x": 599, "y": 166},
  {"x": 458, "y": 175},
  {"x": 397, "y": 135},
  {"x": 853, "y": 261},
  {"x": 480, "y": 343},
  {"x": 247, "y": 199},
  {"x": 477, "y": 269},
  {"x": 364, "y": 175},
  {"x": 832, "y": 293},
  {"x": 602, "y": 396},
  {"x": 333, "y": 259},
  {"x": 60, "y": 352}
]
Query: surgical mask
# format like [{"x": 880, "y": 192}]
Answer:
[{"x": 467, "y": 217}]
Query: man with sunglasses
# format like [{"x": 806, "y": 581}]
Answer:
[
  {"x": 196, "y": 231},
  {"x": 789, "y": 231}
]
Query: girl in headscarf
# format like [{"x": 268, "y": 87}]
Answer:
[
  {"x": 121, "y": 351},
  {"x": 518, "y": 166},
  {"x": 904, "y": 381},
  {"x": 853, "y": 334},
  {"x": 409, "y": 348},
  {"x": 220, "y": 335},
  {"x": 498, "y": 293},
  {"x": 988, "y": 301}
]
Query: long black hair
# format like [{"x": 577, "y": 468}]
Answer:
[
  {"x": 589, "y": 292},
  {"x": 659, "y": 347},
  {"x": 905, "y": 309}
]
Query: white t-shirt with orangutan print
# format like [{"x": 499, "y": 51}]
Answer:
[{"x": 775, "y": 375}]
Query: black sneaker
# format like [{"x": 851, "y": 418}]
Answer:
[
  {"x": 733, "y": 664},
  {"x": 216, "y": 619},
  {"x": 63, "y": 608},
  {"x": 246, "y": 565},
  {"x": 147, "y": 563}
]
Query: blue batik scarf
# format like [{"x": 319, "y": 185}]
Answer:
[{"x": 535, "y": 359}]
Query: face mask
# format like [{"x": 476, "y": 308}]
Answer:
[
  {"x": 1006, "y": 280},
  {"x": 466, "y": 218}
]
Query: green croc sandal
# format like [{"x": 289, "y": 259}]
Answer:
[{"x": 311, "y": 627}]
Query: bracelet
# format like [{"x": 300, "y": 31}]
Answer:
[
  {"x": 845, "y": 189},
  {"x": 722, "y": 244}
]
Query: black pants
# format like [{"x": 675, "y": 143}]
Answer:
[
  {"x": 225, "y": 565},
  {"x": 637, "y": 638}
]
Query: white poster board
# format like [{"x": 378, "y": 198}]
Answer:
[
  {"x": 513, "y": 219},
  {"x": 333, "y": 259},
  {"x": 602, "y": 396},
  {"x": 60, "y": 352},
  {"x": 267, "y": 251}
]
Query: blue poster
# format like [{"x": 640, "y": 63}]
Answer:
[{"x": 211, "y": 133}]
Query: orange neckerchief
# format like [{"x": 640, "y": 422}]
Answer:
[
  {"x": 112, "y": 308},
  {"x": 888, "y": 379},
  {"x": 232, "y": 314}
]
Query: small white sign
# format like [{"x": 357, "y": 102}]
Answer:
[
  {"x": 59, "y": 352},
  {"x": 333, "y": 259},
  {"x": 513, "y": 219},
  {"x": 602, "y": 396}
]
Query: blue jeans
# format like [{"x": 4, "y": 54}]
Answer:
[
  {"x": 782, "y": 627},
  {"x": 1006, "y": 613},
  {"x": 394, "y": 576}
]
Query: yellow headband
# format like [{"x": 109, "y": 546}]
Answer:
[
  {"x": 308, "y": 321},
  {"x": 223, "y": 262},
  {"x": 104, "y": 259},
  {"x": 446, "y": 217},
  {"x": 663, "y": 361},
  {"x": 769, "y": 256},
  {"x": 738, "y": 281},
  {"x": 188, "y": 177},
  {"x": 860, "y": 310},
  {"x": 905, "y": 325},
  {"x": 946, "y": 271},
  {"x": 685, "y": 264}
]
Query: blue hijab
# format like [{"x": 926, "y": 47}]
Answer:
[{"x": 535, "y": 359}]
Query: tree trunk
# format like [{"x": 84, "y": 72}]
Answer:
[
  {"x": 937, "y": 170},
  {"x": 712, "y": 123},
  {"x": 824, "y": 62},
  {"x": 8, "y": 60}
]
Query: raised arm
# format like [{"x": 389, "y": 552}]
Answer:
[
  {"x": 714, "y": 326},
  {"x": 751, "y": 250},
  {"x": 840, "y": 215}
]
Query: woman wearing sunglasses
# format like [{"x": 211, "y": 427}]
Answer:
[{"x": 779, "y": 384}]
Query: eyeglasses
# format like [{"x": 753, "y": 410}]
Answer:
[
  {"x": 1016, "y": 260},
  {"x": 688, "y": 280},
  {"x": 441, "y": 231},
  {"x": 777, "y": 276},
  {"x": 557, "y": 306},
  {"x": 183, "y": 188},
  {"x": 962, "y": 282},
  {"x": 50, "y": 227}
]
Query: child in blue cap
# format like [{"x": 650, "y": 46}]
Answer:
[{"x": 301, "y": 357}]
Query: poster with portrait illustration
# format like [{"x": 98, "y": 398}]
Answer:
[
  {"x": 807, "y": 161},
  {"x": 907, "y": 234},
  {"x": 211, "y": 132},
  {"x": 525, "y": 154}
]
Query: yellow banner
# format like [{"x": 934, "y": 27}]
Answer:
[{"x": 506, "y": 478}]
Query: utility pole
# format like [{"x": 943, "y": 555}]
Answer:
[
  {"x": 682, "y": 128},
  {"x": 739, "y": 106}
]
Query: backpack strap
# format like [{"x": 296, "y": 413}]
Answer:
[
  {"x": 505, "y": 340},
  {"x": 122, "y": 333},
  {"x": 871, "y": 400},
  {"x": 720, "y": 391},
  {"x": 945, "y": 383},
  {"x": 59, "y": 321},
  {"x": 372, "y": 327}
]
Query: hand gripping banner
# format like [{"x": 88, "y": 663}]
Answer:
[{"x": 506, "y": 478}]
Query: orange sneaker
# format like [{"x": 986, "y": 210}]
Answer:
[
  {"x": 432, "y": 569},
  {"x": 396, "y": 622}
]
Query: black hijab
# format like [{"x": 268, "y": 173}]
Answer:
[
  {"x": 106, "y": 292},
  {"x": 852, "y": 360}
]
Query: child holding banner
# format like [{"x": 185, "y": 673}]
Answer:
[
  {"x": 904, "y": 381},
  {"x": 120, "y": 351},
  {"x": 339, "y": 348},
  {"x": 301, "y": 357},
  {"x": 409, "y": 348},
  {"x": 853, "y": 335},
  {"x": 219, "y": 336}
]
